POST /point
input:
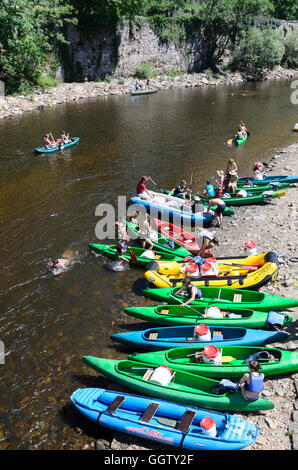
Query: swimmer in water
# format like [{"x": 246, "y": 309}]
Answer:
[{"x": 63, "y": 262}]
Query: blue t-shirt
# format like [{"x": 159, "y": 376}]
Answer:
[{"x": 210, "y": 190}]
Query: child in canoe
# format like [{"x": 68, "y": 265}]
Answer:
[{"x": 252, "y": 383}]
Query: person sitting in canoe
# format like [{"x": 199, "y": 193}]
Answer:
[
  {"x": 220, "y": 207},
  {"x": 243, "y": 128},
  {"x": 252, "y": 383},
  {"x": 180, "y": 190},
  {"x": 136, "y": 86},
  {"x": 142, "y": 191},
  {"x": 145, "y": 229},
  {"x": 47, "y": 143},
  {"x": 64, "y": 138},
  {"x": 194, "y": 292}
]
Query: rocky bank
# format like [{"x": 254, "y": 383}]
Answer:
[{"x": 11, "y": 106}]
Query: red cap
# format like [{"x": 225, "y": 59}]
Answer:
[
  {"x": 206, "y": 267},
  {"x": 207, "y": 422},
  {"x": 210, "y": 351},
  {"x": 201, "y": 329},
  {"x": 250, "y": 244},
  {"x": 162, "y": 365},
  {"x": 211, "y": 260},
  {"x": 192, "y": 268}
]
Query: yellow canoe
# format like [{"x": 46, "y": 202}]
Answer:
[{"x": 166, "y": 275}]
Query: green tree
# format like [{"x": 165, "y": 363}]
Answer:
[
  {"x": 285, "y": 9},
  {"x": 290, "y": 58},
  {"x": 258, "y": 49},
  {"x": 223, "y": 20},
  {"x": 29, "y": 29}
]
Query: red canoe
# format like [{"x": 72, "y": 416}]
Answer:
[{"x": 178, "y": 235}]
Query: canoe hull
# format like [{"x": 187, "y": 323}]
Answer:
[
  {"x": 226, "y": 298},
  {"x": 158, "y": 339},
  {"x": 174, "y": 315},
  {"x": 74, "y": 140},
  {"x": 286, "y": 361},
  {"x": 189, "y": 388},
  {"x": 233, "y": 432}
]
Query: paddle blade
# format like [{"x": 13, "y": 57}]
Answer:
[
  {"x": 229, "y": 142},
  {"x": 133, "y": 257}
]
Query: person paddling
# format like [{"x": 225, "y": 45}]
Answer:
[
  {"x": 142, "y": 191},
  {"x": 252, "y": 383}
]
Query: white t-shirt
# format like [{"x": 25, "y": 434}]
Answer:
[{"x": 204, "y": 233}]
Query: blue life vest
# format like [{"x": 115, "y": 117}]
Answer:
[
  {"x": 118, "y": 248},
  {"x": 256, "y": 384},
  {"x": 199, "y": 260}
]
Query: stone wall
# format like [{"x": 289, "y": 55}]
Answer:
[{"x": 120, "y": 53}]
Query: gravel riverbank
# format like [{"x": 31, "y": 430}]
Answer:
[
  {"x": 68, "y": 92},
  {"x": 272, "y": 227}
]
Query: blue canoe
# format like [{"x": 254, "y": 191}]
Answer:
[
  {"x": 176, "y": 214},
  {"x": 270, "y": 179},
  {"x": 157, "y": 339},
  {"x": 163, "y": 421}
]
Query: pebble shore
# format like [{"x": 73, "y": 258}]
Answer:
[{"x": 69, "y": 92}]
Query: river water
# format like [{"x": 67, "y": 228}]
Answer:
[{"x": 47, "y": 206}]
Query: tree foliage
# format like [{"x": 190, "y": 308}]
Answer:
[
  {"x": 285, "y": 9},
  {"x": 258, "y": 50},
  {"x": 27, "y": 35}
]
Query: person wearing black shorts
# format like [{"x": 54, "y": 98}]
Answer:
[{"x": 220, "y": 207}]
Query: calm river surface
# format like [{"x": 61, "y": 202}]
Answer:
[{"x": 47, "y": 206}]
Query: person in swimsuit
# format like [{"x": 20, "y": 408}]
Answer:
[
  {"x": 252, "y": 383},
  {"x": 145, "y": 229},
  {"x": 59, "y": 263},
  {"x": 122, "y": 232},
  {"x": 220, "y": 207},
  {"x": 220, "y": 184},
  {"x": 232, "y": 184}
]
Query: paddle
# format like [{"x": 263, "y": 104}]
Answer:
[
  {"x": 199, "y": 313},
  {"x": 162, "y": 190},
  {"x": 133, "y": 257}
]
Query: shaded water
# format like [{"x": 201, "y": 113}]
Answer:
[{"x": 47, "y": 206}]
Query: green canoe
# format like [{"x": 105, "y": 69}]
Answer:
[
  {"x": 184, "y": 386},
  {"x": 138, "y": 259},
  {"x": 74, "y": 141},
  {"x": 259, "y": 189},
  {"x": 143, "y": 92},
  {"x": 227, "y": 211},
  {"x": 172, "y": 315},
  {"x": 241, "y": 141},
  {"x": 225, "y": 298},
  {"x": 255, "y": 199},
  {"x": 233, "y": 357},
  {"x": 161, "y": 244}
]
